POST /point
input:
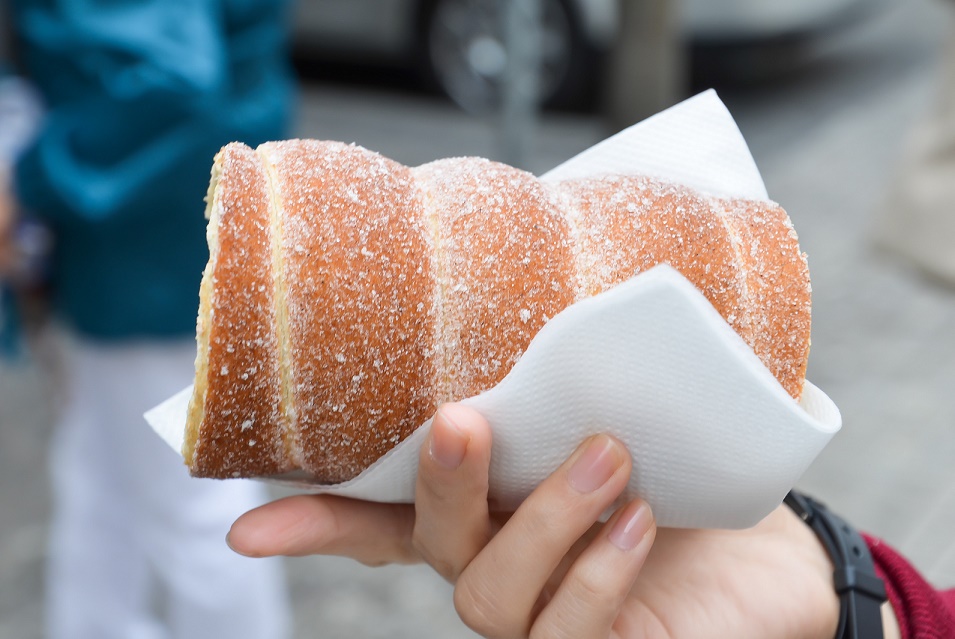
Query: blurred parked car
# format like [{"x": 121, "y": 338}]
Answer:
[{"x": 458, "y": 45}]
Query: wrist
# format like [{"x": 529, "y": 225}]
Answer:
[
  {"x": 890, "y": 623},
  {"x": 818, "y": 604},
  {"x": 861, "y": 591}
]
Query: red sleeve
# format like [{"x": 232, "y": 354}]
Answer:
[{"x": 923, "y": 612}]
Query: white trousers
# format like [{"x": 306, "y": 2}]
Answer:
[{"x": 137, "y": 546}]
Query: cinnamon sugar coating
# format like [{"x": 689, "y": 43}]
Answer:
[
  {"x": 242, "y": 430},
  {"x": 742, "y": 255},
  {"x": 388, "y": 290},
  {"x": 778, "y": 291},
  {"x": 629, "y": 224},
  {"x": 505, "y": 262},
  {"x": 360, "y": 298}
]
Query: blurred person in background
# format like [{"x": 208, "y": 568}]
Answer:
[
  {"x": 917, "y": 222},
  {"x": 139, "y": 97},
  {"x": 22, "y": 258}
]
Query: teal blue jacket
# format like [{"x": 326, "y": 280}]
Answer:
[{"x": 141, "y": 95}]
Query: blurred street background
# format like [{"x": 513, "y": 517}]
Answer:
[{"x": 827, "y": 114}]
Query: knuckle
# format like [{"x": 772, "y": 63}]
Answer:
[
  {"x": 437, "y": 492},
  {"x": 478, "y": 610},
  {"x": 428, "y": 482},
  {"x": 547, "y": 517},
  {"x": 420, "y": 539},
  {"x": 442, "y": 566},
  {"x": 592, "y": 588},
  {"x": 547, "y": 631}
]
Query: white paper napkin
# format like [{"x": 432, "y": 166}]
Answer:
[
  {"x": 695, "y": 143},
  {"x": 716, "y": 441}
]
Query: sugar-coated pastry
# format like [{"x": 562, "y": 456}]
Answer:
[{"x": 347, "y": 295}]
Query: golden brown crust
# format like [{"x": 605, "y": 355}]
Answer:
[
  {"x": 394, "y": 289},
  {"x": 360, "y": 299},
  {"x": 506, "y": 267},
  {"x": 777, "y": 287},
  {"x": 629, "y": 224},
  {"x": 742, "y": 255},
  {"x": 241, "y": 433}
]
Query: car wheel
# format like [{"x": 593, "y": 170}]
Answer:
[{"x": 462, "y": 52}]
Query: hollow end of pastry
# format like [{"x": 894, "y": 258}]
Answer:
[{"x": 204, "y": 319}]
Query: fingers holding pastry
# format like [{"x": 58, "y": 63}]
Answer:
[
  {"x": 371, "y": 533},
  {"x": 451, "y": 526},
  {"x": 452, "y": 523},
  {"x": 547, "y": 570},
  {"x": 499, "y": 593},
  {"x": 589, "y": 600}
]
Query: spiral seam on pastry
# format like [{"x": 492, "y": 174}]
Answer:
[
  {"x": 197, "y": 408},
  {"x": 566, "y": 207},
  {"x": 776, "y": 326},
  {"x": 744, "y": 325},
  {"x": 291, "y": 434},
  {"x": 439, "y": 267}
]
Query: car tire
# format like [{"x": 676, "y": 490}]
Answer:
[{"x": 461, "y": 53}]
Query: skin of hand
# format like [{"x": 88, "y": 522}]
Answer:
[{"x": 551, "y": 569}]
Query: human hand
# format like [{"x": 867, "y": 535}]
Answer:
[{"x": 550, "y": 569}]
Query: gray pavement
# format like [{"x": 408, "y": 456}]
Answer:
[{"x": 827, "y": 138}]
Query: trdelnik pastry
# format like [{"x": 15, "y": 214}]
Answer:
[{"x": 347, "y": 295}]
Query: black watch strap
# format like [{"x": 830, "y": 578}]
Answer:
[{"x": 861, "y": 592}]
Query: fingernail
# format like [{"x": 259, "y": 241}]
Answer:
[
  {"x": 595, "y": 465},
  {"x": 448, "y": 444},
  {"x": 632, "y": 526}
]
